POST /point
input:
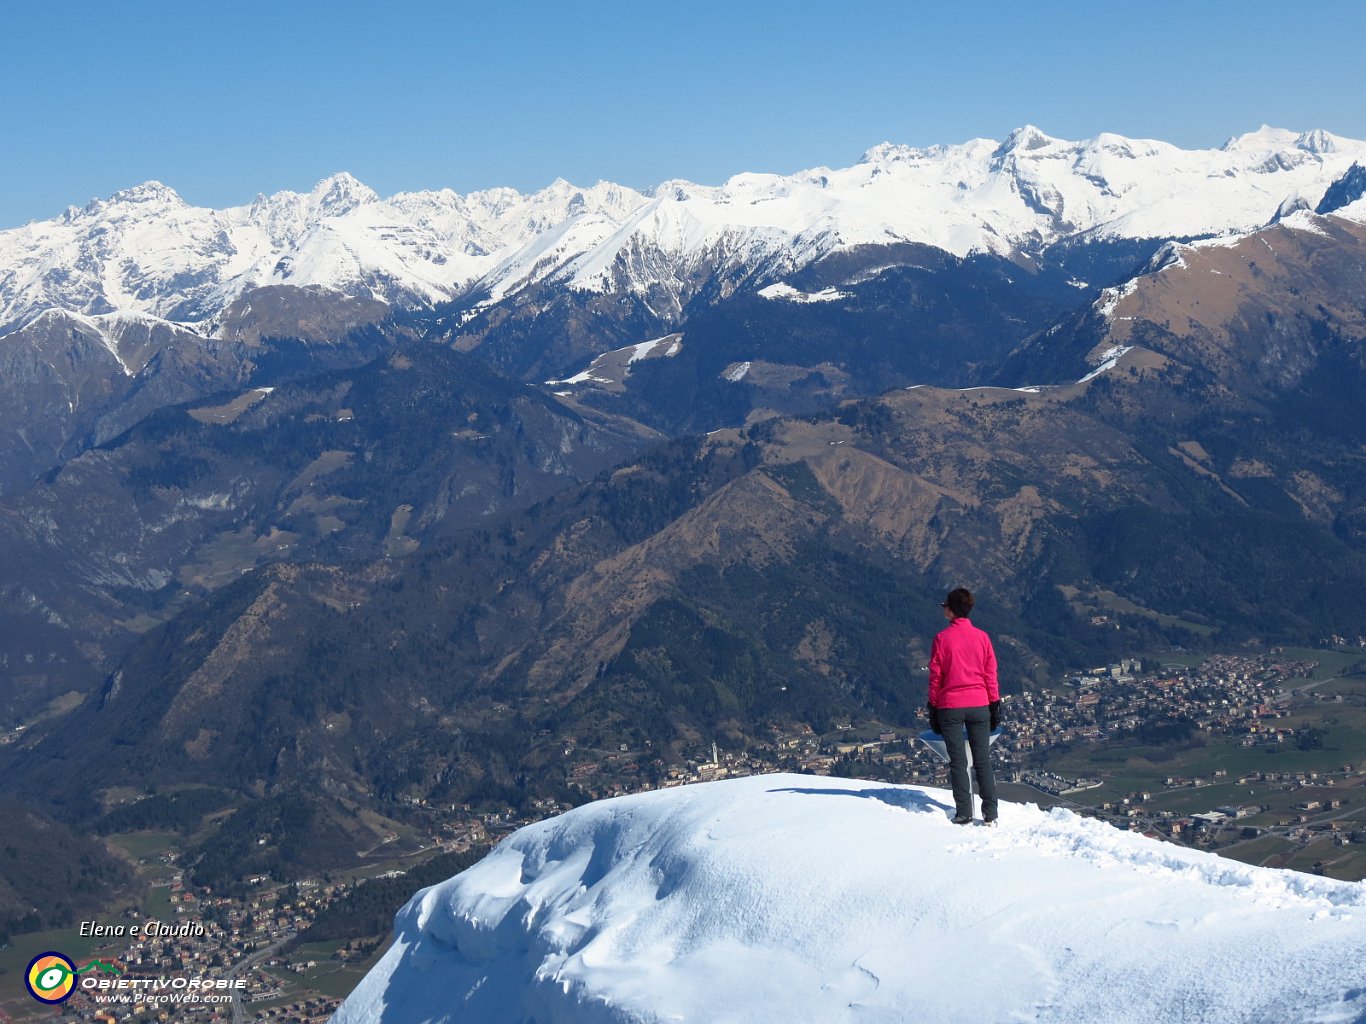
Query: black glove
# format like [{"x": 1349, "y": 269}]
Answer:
[
  {"x": 933, "y": 712},
  {"x": 995, "y": 708}
]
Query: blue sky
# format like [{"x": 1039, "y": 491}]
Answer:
[{"x": 224, "y": 100}]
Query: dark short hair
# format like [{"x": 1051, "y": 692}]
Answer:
[{"x": 959, "y": 602}]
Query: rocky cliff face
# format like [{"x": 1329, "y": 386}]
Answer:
[{"x": 1345, "y": 191}]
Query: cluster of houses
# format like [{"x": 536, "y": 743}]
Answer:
[
  {"x": 1228, "y": 694},
  {"x": 225, "y": 929},
  {"x": 1334, "y": 640}
]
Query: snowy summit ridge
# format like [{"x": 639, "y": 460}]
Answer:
[
  {"x": 785, "y": 898},
  {"x": 146, "y": 250}
]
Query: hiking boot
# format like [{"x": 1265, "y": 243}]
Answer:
[{"x": 961, "y": 820}]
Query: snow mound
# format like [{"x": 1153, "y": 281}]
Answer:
[{"x": 789, "y": 898}]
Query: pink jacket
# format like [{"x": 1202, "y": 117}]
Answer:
[{"x": 962, "y": 668}]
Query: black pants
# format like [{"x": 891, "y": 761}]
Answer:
[{"x": 978, "y": 736}]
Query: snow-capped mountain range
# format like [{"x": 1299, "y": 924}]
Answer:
[
  {"x": 799, "y": 898},
  {"x": 146, "y": 251}
]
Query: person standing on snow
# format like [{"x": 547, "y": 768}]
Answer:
[{"x": 964, "y": 692}]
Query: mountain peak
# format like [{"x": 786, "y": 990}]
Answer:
[
  {"x": 887, "y": 153},
  {"x": 1024, "y": 139},
  {"x": 1265, "y": 137},
  {"x": 341, "y": 193},
  {"x": 798, "y": 897},
  {"x": 1122, "y": 146},
  {"x": 147, "y": 192},
  {"x": 1317, "y": 141}
]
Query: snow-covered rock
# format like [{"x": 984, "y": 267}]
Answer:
[
  {"x": 785, "y": 898},
  {"x": 146, "y": 250}
]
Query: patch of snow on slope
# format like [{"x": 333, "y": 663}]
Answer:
[
  {"x": 584, "y": 377},
  {"x": 615, "y": 366},
  {"x": 1108, "y": 360},
  {"x": 646, "y": 348},
  {"x": 105, "y": 327},
  {"x": 1167, "y": 257},
  {"x": 1308, "y": 220},
  {"x": 1354, "y": 211},
  {"x": 1110, "y": 298},
  {"x": 789, "y": 294},
  {"x": 1227, "y": 241},
  {"x": 786, "y": 898}
]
